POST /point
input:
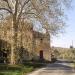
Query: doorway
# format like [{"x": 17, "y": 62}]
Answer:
[{"x": 41, "y": 54}]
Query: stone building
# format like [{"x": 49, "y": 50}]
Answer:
[
  {"x": 42, "y": 45},
  {"x": 30, "y": 43}
]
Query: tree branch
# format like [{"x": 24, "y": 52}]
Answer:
[
  {"x": 6, "y": 10},
  {"x": 26, "y": 2},
  {"x": 29, "y": 13},
  {"x": 9, "y": 6},
  {"x": 16, "y": 7}
]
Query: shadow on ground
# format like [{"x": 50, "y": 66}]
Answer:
[{"x": 59, "y": 66}]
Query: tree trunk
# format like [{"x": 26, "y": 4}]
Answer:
[{"x": 14, "y": 51}]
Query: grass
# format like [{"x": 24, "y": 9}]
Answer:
[
  {"x": 19, "y": 69},
  {"x": 72, "y": 64},
  {"x": 14, "y": 70}
]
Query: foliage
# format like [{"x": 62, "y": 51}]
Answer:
[
  {"x": 49, "y": 13},
  {"x": 65, "y": 53}
]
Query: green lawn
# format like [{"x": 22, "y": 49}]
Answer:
[{"x": 18, "y": 69}]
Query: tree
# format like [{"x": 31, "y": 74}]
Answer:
[
  {"x": 48, "y": 12},
  {"x": 13, "y": 8}
]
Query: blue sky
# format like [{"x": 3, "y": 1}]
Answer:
[{"x": 65, "y": 39}]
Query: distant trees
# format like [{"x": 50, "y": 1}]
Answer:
[
  {"x": 48, "y": 12},
  {"x": 65, "y": 53}
]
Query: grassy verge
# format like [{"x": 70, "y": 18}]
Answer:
[
  {"x": 73, "y": 64},
  {"x": 14, "y": 69},
  {"x": 18, "y": 69}
]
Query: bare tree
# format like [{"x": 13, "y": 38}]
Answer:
[
  {"x": 48, "y": 12},
  {"x": 15, "y": 9}
]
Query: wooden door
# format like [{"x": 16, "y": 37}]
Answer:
[{"x": 41, "y": 54}]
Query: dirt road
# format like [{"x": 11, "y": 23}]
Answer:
[{"x": 61, "y": 67}]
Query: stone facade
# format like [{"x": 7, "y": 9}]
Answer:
[{"x": 42, "y": 43}]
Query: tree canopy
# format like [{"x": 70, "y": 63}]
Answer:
[{"x": 48, "y": 12}]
